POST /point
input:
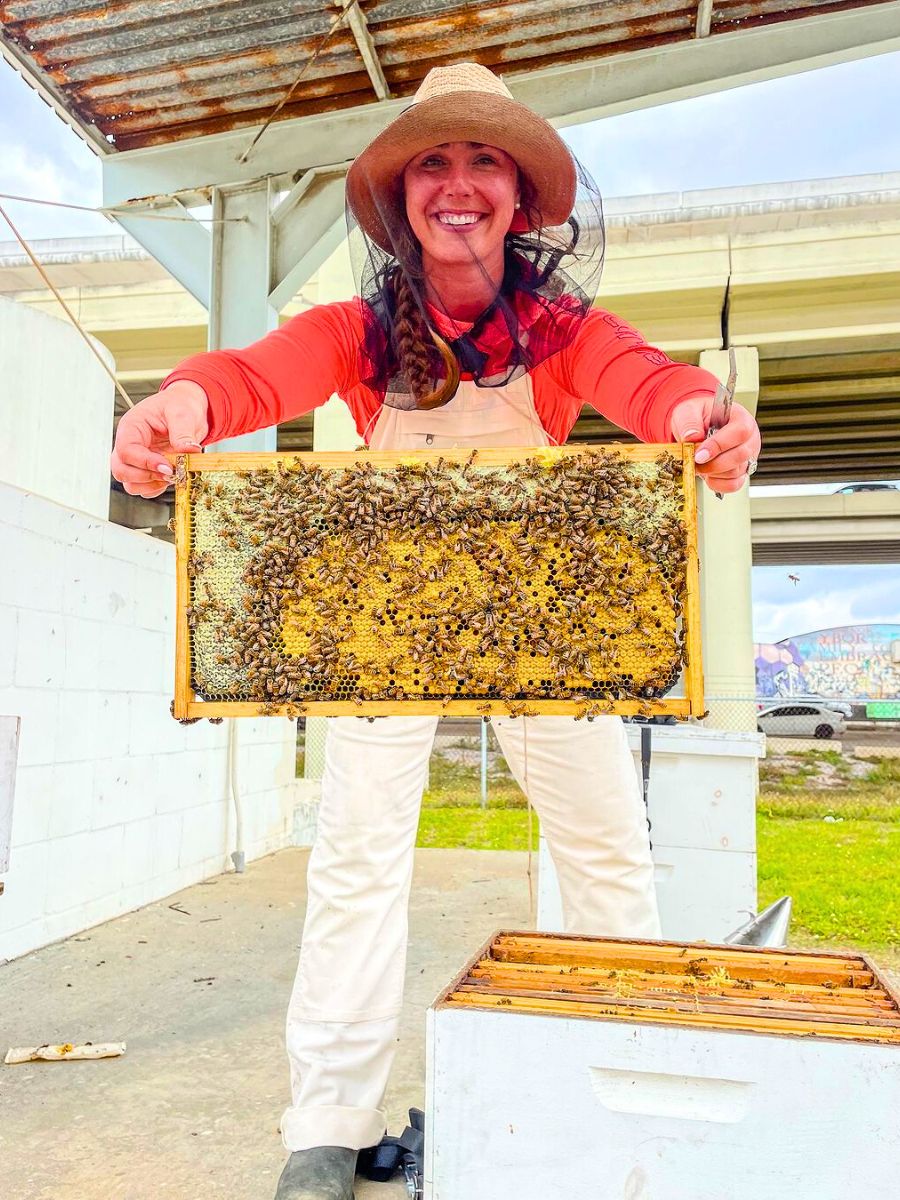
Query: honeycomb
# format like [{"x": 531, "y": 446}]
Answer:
[{"x": 481, "y": 582}]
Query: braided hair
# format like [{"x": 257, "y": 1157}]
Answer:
[{"x": 414, "y": 343}]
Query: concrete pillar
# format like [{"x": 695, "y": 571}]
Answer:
[
  {"x": 333, "y": 429},
  {"x": 725, "y": 574}
]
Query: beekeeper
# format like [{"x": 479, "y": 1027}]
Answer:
[{"x": 477, "y": 242}]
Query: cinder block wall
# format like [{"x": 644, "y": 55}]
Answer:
[{"x": 115, "y": 803}]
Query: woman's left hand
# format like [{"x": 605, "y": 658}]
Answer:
[{"x": 728, "y": 456}]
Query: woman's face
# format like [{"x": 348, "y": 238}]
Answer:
[{"x": 460, "y": 201}]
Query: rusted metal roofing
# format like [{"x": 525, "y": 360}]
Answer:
[{"x": 134, "y": 73}]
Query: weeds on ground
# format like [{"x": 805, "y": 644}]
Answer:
[
  {"x": 852, "y": 789},
  {"x": 455, "y": 785}
]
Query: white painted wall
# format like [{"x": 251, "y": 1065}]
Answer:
[
  {"x": 56, "y": 410},
  {"x": 115, "y": 803}
]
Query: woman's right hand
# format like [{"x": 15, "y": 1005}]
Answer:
[{"x": 173, "y": 421}]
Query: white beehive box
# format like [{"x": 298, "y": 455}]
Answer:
[
  {"x": 614, "y": 1070},
  {"x": 702, "y": 801}
]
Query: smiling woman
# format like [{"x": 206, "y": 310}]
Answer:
[
  {"x": 460, "y": 201},
  {"x": 478, "y": 243},
  {"x": 488, "y": 243}
]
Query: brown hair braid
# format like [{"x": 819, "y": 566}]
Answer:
[{"x": 412, "y": 335}]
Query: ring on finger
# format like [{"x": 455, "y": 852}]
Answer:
[{"x": 752, "y": 464}]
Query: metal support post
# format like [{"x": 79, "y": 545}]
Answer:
[
  {"x": 241, "y": 271},
  {"x": 484, "y": 763},
  {"x": 726, "y": 562}
]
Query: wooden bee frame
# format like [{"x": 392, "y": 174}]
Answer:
[
  {"x": 803, "y": 993},
  {"x": 621, "y": 518}
]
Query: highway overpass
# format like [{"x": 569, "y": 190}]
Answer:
[{"x": 863, "y": 527}]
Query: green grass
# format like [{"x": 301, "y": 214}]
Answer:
[
  {"x": 843, "y": 874},
  {"x": 474, "y": 828},
  {"x": 844, "y": 878}
]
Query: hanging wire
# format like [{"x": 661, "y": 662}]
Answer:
[
  {"x": 120, "y": 212},
  {"x": 529, "y": 873},
  {"x": 87, "y": 338},
  {"x": 338, "y": 20}
]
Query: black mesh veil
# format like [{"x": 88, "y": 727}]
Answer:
[{"x": 550, "y": 281}]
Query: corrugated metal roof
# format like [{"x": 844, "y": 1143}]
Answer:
[{"x": 144, "y": 72}]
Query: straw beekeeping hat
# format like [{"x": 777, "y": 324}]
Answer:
[{"x": 462, "y": 103}]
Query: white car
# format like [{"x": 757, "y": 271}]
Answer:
[
  {"x": 838, "y": 706},
  {"x": 801, "y": 719}
]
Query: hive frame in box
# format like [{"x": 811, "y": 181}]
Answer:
[
  {"x": 188, "y": 706},
  {"x": 698, "y": 1070},
  {"x": 706, "y": 963}
]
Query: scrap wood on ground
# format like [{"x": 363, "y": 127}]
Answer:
[{"x": 63, "y": 1052}]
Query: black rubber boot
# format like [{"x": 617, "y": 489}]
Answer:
[{"x": 322, "y": 1173}]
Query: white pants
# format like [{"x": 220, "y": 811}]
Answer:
[{"x": 343, "y": 1018}]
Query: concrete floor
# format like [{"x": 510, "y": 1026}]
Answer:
[{"x": 191, "y": 1110}]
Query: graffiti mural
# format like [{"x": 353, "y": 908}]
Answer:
[{"x": 850, "y": 662}]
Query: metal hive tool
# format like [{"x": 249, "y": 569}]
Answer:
[{"x": 499, "y": 581}]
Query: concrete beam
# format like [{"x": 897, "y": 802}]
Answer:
[
  {"x": 241, "y": 272},
  {"x": 826, "y": 522},
  {"x": 183, "y": 247},
  {"x": 725, "y": 560},
  {"x": 818, "y": 554},
  {"x": 566, "y": 95},
  {"x": 862, "y": 527},
  {"x": 307, "y": 227}
]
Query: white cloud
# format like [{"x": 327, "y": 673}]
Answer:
[
  {"x": 811, "y": 125},
  {"x": 871, "y": 603},
  {"x": 30, "y": 172},
  {"x": 43, "y": 158},
  {"x": 825, "y": 597}
]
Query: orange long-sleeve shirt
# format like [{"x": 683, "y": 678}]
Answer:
[{"x": 296, "y": 368}]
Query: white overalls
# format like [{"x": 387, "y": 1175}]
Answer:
[{"x": 343, "y": 1018}]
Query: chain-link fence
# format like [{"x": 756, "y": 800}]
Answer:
[{"x": 467, "y": 765}]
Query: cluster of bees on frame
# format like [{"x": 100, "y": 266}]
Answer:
[{"x": 553, "y": 578}]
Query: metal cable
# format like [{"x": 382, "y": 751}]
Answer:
[
  {"x": 531, "y": 911},
  {"x": 117, "y": 212},
  {"x": 339, "y": 20}
]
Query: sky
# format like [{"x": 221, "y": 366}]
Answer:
[
  {"x": 835, "y": 121},
  {"x": 822, "y": 598}
]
